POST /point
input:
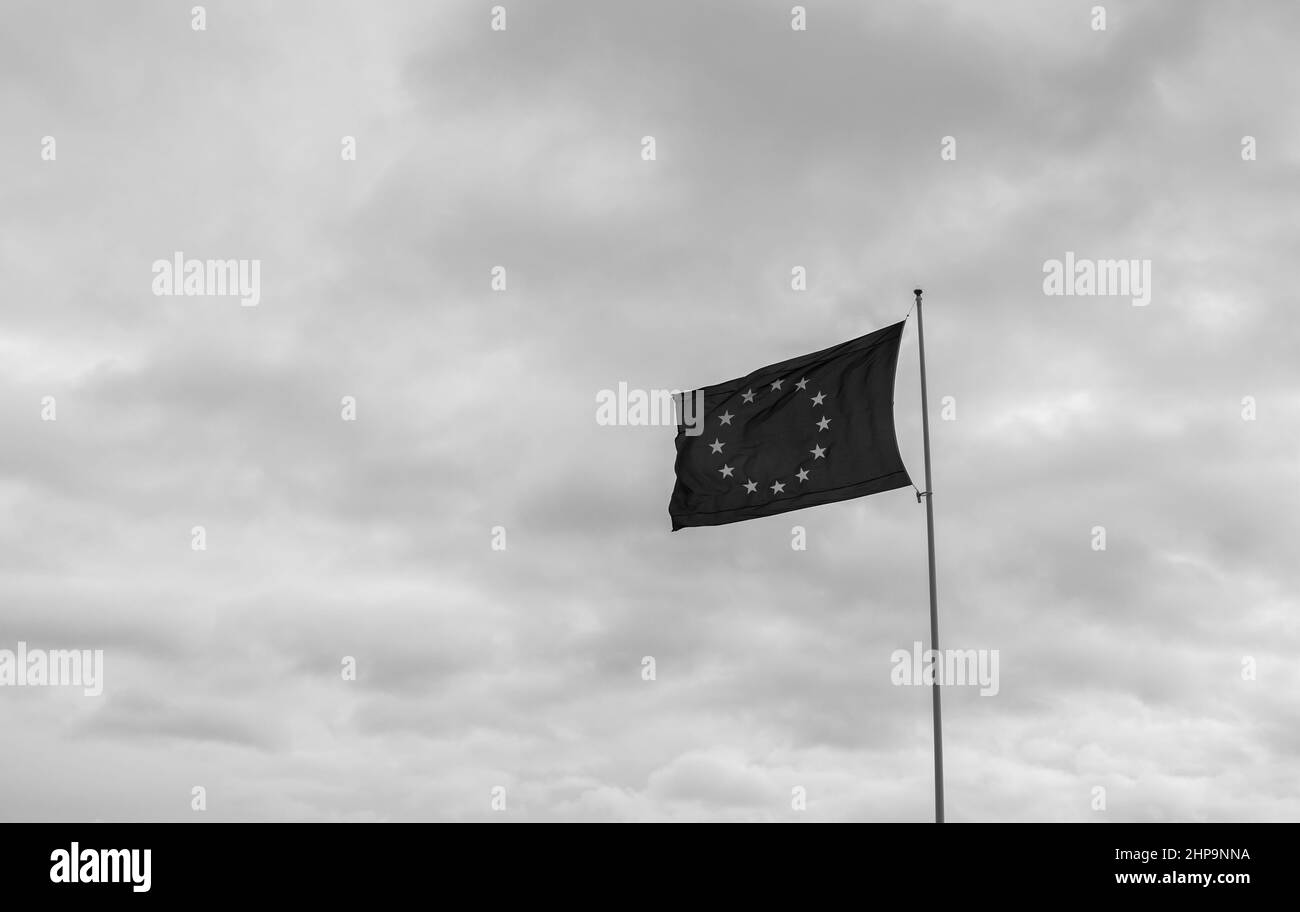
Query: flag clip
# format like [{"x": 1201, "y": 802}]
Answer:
[{"x": 920, "y": 494}]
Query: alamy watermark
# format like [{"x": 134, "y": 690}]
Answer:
[
  {"x": 954, "y": 667},
  {"x": 75, "y": 865},
  {"x": 25, "y": 667},
  {"x": 179, "y": 276},
  {"x": 1124, "y": 278},
  {"x": 638, "y": 407}
]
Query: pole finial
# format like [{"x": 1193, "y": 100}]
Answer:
[{"x": 916, "y": 291}]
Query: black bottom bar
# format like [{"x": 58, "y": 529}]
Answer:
[{"x": 333, "y": 862}]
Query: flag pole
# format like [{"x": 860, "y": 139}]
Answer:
[{"x": 934, "y": 599}]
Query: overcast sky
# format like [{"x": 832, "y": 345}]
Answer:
[{"x": 774, "y": 148}]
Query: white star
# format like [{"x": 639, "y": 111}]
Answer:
[
  {"x": 747, "y": 395},
  {"x": 802, "y": 474},
  {"x": 726, "y": 417},
  {"x": 817, "y": 400},
  {"x": 726, "y": 471},
  {"x": 818, "y": 452},
  {"x": 776, "y": 384},
  {"x": 824, "y": 423},
  {"x": 777, "y": 487},
  {"x": 751, "y": 487},
  {"x": 717, "y": 445},
  {"x": 803, "y": 381}
]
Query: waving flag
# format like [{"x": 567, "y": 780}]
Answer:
[{"x": 808, "y": 431}]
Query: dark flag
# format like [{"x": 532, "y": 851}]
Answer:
[{"x": 812, "y": 430}]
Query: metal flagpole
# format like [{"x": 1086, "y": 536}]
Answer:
[{"x": 934, "y": 599}]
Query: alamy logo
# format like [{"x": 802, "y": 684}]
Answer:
[
  {"x": 1124, "y": 278},
  {"x": 956, "y": 667},
  {"x": 638, "y": 407},
  {"x": 53, "y": 668},
  {"x": 179, "y": 276},
  {"x": 78, "y": 865}
]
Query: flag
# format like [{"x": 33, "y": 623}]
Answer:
[{"x": 808, "y": 431}]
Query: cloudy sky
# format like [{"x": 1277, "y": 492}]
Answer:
[{"x": 521, "y": 669}]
